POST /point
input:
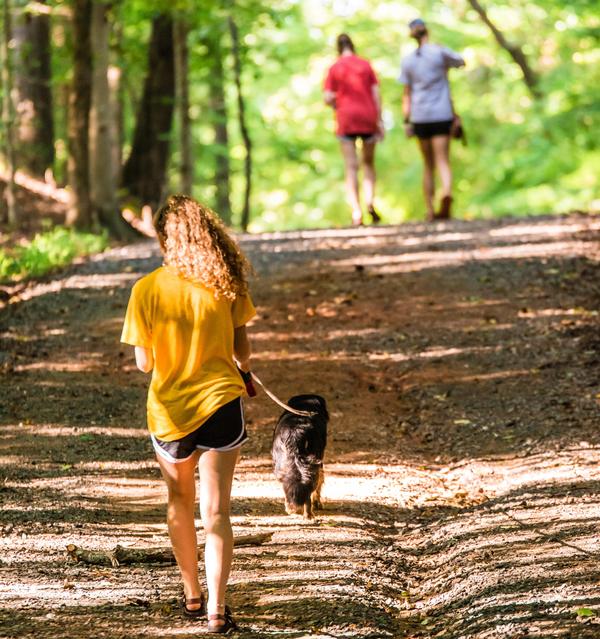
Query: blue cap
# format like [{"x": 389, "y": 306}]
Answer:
[{"x": 417, "y": 22}]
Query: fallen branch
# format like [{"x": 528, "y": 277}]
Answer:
[{"x": 122, "y": 555}]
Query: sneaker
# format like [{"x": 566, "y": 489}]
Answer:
[
  {"x": 445, "y": 206},
  {"x": 374, "y": 215}
]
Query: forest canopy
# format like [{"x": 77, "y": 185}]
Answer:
[{"x": 233, "y": 111}]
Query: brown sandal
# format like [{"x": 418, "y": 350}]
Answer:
[
  {"x": 221, "y": 628},
  {"x": 194, "y": 613}
]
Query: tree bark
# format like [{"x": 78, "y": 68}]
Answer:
[
  {"x": 102, "y": 174},
  {"x": 529, "y": 75},
  {"x": 115, "y": 85},
  {"x": 8, "y": 116},
  {"x": 144, "y": 172},
  {"x": 180, "y": 35},
  {"x": 80, "y": 208},
  {"x": 237, "y": 67},
  {"x": 218, "y": 111},
  {"x": 33, "y": 83}
]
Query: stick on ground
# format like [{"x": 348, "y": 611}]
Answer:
[{"x": 121, "y": 555}]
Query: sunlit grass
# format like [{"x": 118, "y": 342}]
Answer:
[{"x": 47, "y": 251}]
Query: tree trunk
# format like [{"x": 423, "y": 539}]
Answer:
[
  {"x": 237, "y": 67},
  {"x": 180, "y": 35},
  {"x": 34, "y": 87},
  {"x": 144, "y": 172},
  {"x": 529, "y": 76},
  {"x": 102, "y": 175},
  {"x": 115, "y": 85},
  {"x": 80, "y": 209},
  {"x": 8, "y": 116},
  {"x": 218, "y": 111}
]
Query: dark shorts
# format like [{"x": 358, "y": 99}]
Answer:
[
  {"x": 425, "y": 130},
  {"x": 224, "y": 430},
  {"x": 352, "y": 137}
]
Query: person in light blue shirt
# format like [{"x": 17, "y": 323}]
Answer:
[{"x": 429, "y": 114}]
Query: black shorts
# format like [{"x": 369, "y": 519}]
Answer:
[
  {"x": 426, "y": 130},
  {"x": 224, "y": 430},
  {"x": 369, "y": 138}
]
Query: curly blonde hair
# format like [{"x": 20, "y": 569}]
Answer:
[{"x": 195, "y": 243}]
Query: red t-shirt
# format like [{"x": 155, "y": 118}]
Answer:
[{"x": 351, "y": 79}]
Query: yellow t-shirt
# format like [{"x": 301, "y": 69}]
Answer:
[{"x": 191, "y": 336}]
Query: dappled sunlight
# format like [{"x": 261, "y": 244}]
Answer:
[
  {"x": 544, "y": 227},
  {"x": 64, "y": 367},
  {"x": 461, "y": 473},
  {"x": 435, "y": 259},
  {"x": 80, "y": 282}
]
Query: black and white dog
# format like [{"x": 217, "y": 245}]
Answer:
[{"x": 297, "y": 450}]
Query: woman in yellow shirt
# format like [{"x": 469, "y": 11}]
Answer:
[{"x": 187, "y": 321}]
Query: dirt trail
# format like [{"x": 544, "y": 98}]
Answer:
[{"x": 460, "y": 364}]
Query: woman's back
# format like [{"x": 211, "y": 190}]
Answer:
[
  {"x": 425, "y": 70},
  {"x": 352, "y": 79}
]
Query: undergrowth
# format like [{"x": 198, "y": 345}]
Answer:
[{"x": 47, "y": 251}]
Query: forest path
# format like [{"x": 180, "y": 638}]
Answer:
[{"x": 460, "y": 365}]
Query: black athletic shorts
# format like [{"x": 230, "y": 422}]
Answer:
[
  {"x": 352, "y": 137},
  {"x": 224, "y": 430},
  {"x": 425, "y": 130}
]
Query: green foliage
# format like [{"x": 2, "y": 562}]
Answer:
[
  {"x": 523, "y": 156},
  {"x": 47, "y": 251}
]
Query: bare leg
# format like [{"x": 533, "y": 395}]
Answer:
[
  {"x": 441, "y": 153},
  {"x": 351, "y": 166},
  {"x": 368, "y": 158},
  {"x": 428, "y": 176},
  {"x": 181, "y": 485},
  {"x": 216, "y": 477}
]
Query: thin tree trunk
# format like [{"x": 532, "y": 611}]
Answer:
[
  {"x": 529, "y": 76},
  {"x": 33, "y": 82},
  {"x": 180, "y": 35},
  {"x": 102, "y": 175},
  {"x": 8, "y": 116},
  {"x": 115, "y": 85},
  {"x": 145, "y": 170},
  {"x": 218, "y": 111},
  {"x": 237, "y": 67},
  {"x": 80, "y": 209}
]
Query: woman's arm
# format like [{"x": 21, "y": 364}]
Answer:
[
  {"x": 406, "y": 103},
  {"x": 377, "y": 99},
  {"x": 144, "y": 359},
  {"x": 241, "y": 348},
  {"x": 452, "y": 59},
  {"x": 329, "y": 98}
]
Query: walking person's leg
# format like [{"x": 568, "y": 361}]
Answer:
[
  {"x": 181, "y": 486},
  {"x": 441, "y": 154},
  {"x": 428, "y": 176},
  {"x": 351, "y": 167},
  {"x": 369, "y": 178},
  {"x": 216, "y": 477}
]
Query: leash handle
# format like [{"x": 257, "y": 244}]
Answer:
[{"x": 247, "y": 377}]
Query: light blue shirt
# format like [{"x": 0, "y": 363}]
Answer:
[{"x": 425, "y": 71}]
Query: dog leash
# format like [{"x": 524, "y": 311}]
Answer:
[{"x": 249, "y": 377}]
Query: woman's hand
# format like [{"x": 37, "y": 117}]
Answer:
[{"x": 409, "y": 129}]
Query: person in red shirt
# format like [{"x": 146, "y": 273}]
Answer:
[{"x": 352, "y": 89}]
